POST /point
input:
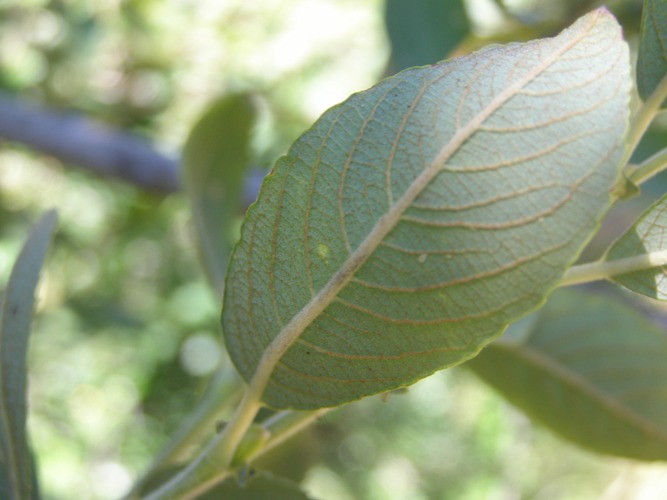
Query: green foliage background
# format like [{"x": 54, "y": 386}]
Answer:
[{"x": 124, "y": 307}]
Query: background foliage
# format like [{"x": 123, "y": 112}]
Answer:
[{"x": 127, "y": 331}]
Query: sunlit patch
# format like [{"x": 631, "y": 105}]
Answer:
[
  {"x": 323, "y": 252},
  {"x": 200, "y": 354}
]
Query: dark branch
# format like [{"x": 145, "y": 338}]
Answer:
[{"x": 75, "y": 139}]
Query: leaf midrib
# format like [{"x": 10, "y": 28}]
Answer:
[{"x": 300, "y": 321}]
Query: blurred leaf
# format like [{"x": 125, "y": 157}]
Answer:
[
  {"x": 519, "y": 331},
  {"x": 5, "y": 489},
  {"x": 423, "y": 31},
  {"x": 215, "y": 159},
  {"x": 411, "y": 223},
  {"x": 15, "y": 318},
  {"x": 593, "y": 370},
  {"x": 652, "y": 58},
  {"x": 648, "y": 234},
  {"x": 259, "y": 486}
]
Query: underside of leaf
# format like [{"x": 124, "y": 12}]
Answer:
[{"x": 414, "y": 221}]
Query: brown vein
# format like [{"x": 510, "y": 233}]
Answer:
[
  {"x": 348, "y": 161},
  {"x": 524, "y": 159},
  {"x": 552, "y": 120},
  {"x": 491, "y": 201},
  {"x": 380, "y": 357},
  {"x": 487, "y": 226},
  {"x": 435, "y": 321},
  {"x": 311, "y": 190},
  {"x": 274, "y": 252},
  {"x": 461, "y": 281},
  {"x": 399, "y": 134},
  {"x": 462, "y": 251}
]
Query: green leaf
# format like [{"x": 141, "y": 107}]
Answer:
[
  {"x": 15, "y": 318},
  {"x": 593, "y": 370},
  {"x": 253, "y": 440},
  {"x": 648, "y": 234},
  {"x": 215, "y": 159},
  {"x": 652, "y": 58},
  {"x": 260, "y": 485},
  {"x": 413, "y": 222},
  {"x": 423, "y": 31}
]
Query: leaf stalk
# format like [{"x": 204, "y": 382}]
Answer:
[
  {"x": 224, "y": 391},
  {"x": 649, "y": 168},
  {"x": 602, "y": 269},
  {"x": 206, "y": 470}
]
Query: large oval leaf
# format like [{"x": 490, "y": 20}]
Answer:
[
  {"x": 652, "y": 57},
  {"x": 411, "y": 223},
  {"x": 591, "y": 369},
  {"x": 648, "y": 234}
]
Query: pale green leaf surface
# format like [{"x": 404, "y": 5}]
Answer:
[
  {"x": 648, "y": 234},
  {"x": 423, "y": 31},
  {"x": 215, "y": 159},
  {"x": 16, "y": 316},
  {"x": 652, "y": 57},
  {"x": 411, "y": 223},
  {"x": 593, "y": 370}
]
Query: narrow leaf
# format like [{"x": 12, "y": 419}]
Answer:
[
  {"x": 648, "y": 234},
  {"x": 652, "y": 58},
  {"x": 411, "y": 223},
  {"x": 423, "y": 31},
  {"x": 6, "y": 488},
  {"x": 593, "y": 370},
  {"x": 15, "y": 319},
  {"x": 215, "y": 159}
]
